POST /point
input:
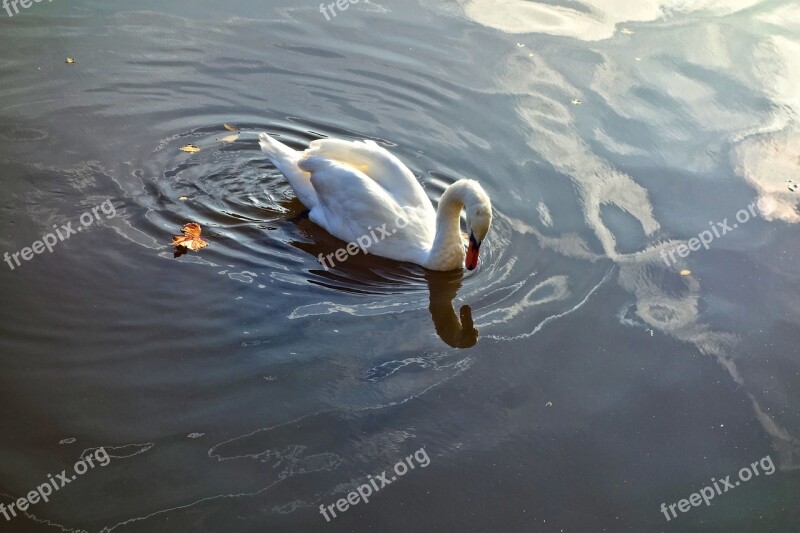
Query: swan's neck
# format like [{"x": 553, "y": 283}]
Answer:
[{"x": 447, "y": 252}]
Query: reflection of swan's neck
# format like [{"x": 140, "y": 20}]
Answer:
[
  {"x": 448, "y": 246},
  {"x": 458, "y": 332}
]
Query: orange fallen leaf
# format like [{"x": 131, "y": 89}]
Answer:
[
  {"x": 192, "y": 149},
  {"x": 190, "y": 240},
  {"x": 230, "y": 127},
  {"x": 685, "y": 272}
]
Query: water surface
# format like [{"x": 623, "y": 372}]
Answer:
[{"x": 241, "y": 387}]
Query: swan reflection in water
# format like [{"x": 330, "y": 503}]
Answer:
[{"x": 457, "y": 330}]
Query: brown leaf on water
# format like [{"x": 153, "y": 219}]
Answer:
[
  {"x": 230, "y": 127},
  {"x": 190, "y": 148},
  {"x": 190, "y": 240},
  {"x": 685, "y": 272},
  {"x": 230, "y": 138}
]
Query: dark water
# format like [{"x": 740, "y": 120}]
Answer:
[{"x": 241, "y": 387}]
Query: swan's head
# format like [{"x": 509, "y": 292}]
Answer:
[{"x": 479, "y": 218}]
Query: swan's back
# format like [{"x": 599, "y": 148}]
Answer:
[{"x": 380, "y": 165}]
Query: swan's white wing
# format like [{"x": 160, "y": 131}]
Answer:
[
  {"x": 352, "y": 206},
  {"x": 380, "y": 165}
]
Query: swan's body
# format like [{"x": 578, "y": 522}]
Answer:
[{"x": 354, "y": 188}]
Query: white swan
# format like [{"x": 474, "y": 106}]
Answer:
[{"x": 362, "y": 194}]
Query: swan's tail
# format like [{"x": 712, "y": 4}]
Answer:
[{"x": 286, "y": 159}]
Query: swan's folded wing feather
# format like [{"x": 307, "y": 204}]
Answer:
[
  {"x": 351, "y": 204},
  {"x": 378, "y": 164}
]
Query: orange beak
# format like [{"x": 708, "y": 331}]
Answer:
[{"x": 472, "y": 254}]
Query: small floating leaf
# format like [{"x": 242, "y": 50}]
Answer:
[
  {"x": 183, "y": 198},
  {"x": 230, "y": 127},
  {"x": 192, "y": 149},
  {"x": 190, "y": 240},
  {"x": 70, "y": 60},
  {"x": 230, "y": 138},
  {"x": 685, "y": 272}
]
